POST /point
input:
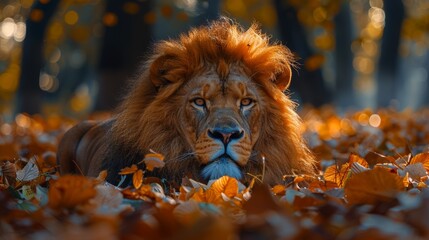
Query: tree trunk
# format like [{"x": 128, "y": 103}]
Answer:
[
  {"x": 309, "y": 85},
  {"x": 344, "y": 93},
  {"x": 123, "y": 49},
  {"x": 388, "y": 61},
  {"x": 30, "y": 96}
]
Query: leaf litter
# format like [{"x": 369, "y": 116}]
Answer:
[{"x": 372, "y": 184}]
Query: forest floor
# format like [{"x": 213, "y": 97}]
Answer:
[{"x": 373, "y": 184}]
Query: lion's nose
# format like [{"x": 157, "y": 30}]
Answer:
[{"x": 226, "y": 135}]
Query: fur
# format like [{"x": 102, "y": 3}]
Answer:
[{"x": 152, "y": 115}]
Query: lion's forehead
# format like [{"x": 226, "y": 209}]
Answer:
[{"x": 210, "y": 84}]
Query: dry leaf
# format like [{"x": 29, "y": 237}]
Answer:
[
  {"x": 69, "y": 191},
  {"x": 226, "y": 185},
  {"x": 129, "y": 170},
  {"x": 153, "y": 160},
  {"x": 318, "y": 185},
  {"x": 374, "y": 158},
  {"x": 354, "y": 158},
  {"x": 29, "y": 172},
  {"x": 415, "y": 171},
  {"x": 101, "y": 176},
  {"x": 279, "y": 190},
  {"x": 421, "y": 158},
  {"x": 138, "y": 179},
  {"x": 338, "y": 176},
  {"x": 8, "y": 169},
  {"x": 9, "y": 151},
  {"x": 373, "y": 186}
]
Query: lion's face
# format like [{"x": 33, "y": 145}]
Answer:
[
  {"x": 221, "y": 121},
  {"x": 213, "y": 103}
]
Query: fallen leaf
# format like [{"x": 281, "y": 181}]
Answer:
[
  {"x": 129, "y": 170},
  {"x": 373, "y": 186},
  {"x": 69, "y": 191},
  {"x": 29, "y": 172},
  {"x": 422, "y": 158},
  {"x": 374, "y": 158},
  {"x": 138, "y": 179},
  {"x": 337, "y": 175},
  {"x": 354, "y": 158},
  {"x": 226, "y": 185},
  {"x": 153, "y": 160},
  {"x": 279, "y": 190}
]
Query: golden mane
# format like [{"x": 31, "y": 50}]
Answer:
[{"x": 149, "y": 118}]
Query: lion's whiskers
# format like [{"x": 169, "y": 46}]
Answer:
[{"x": 184, "y": 156}]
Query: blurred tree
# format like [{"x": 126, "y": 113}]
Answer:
[
  {"x": 127, "y": 37},
  {"x": 211, "y": 12},
  {"x": 389, "y": 52},
  {"x": 309, "y": 83},
  {"x": 344, "y": 96},
  {"x": 29, "y": 96}
]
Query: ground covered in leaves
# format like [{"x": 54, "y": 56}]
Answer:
[{"x": 373, "y": 184}]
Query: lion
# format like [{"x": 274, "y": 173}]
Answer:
[{"x": 212, "y": 102}]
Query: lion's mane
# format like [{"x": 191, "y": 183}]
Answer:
[{"x": 150, "y": 119}]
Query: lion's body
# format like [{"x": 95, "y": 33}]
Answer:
[{"x": 212, "y": 102}]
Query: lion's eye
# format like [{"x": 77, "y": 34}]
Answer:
[
  {"x": 199, "y": 102},
  {"x": 245, "y": 102}
]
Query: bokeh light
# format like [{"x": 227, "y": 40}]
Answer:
[{"x": 75, "y": 33}]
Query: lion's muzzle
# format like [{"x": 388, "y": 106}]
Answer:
[
  {"x": 226, "y": 134},
  {"x": 228, "y": 147}
]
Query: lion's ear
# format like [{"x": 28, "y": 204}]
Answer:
[
  {"x": 160, "y": 72},
  {"x": 283, "y": 78}
]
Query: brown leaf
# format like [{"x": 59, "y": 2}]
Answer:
[
  {"x": 9, "y": 151},
  {"x": 373, "y": 186},
  {"x": 318, "y": 185},
  {"x": 262, "y": 201},
  {"x": 69, "y": 191},
  {"x": 8, "y": 169},
  {"x": 374, "y": 158}
]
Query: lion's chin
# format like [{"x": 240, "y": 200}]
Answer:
[{"x": 223, "y": 166}]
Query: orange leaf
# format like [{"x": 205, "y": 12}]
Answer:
[
  {"x": 406, "y": 180},
  {"x": 226, "y": 185},
  {"x": 102, "y": 176},
  {"x": 298, "y": 179},
  {"x": 373, "y": 186},
  {"x": 338, "y": 176},
  {"x": 199, "y": 195},
  {"x": 69, "y": 191},
  {"x": 421, "y": 158},
  {"x": 318, "y": 185},
  {"x": 146, "y": 191},
  {"x": 153, "y": 160},
  {"x": 129, "y": 170},
  {"x": 183, "y": 193},
  {"x": 279, "y": 190},
  {"x": 356, "y": 158},
  {"x": 138, "y": 179}
]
